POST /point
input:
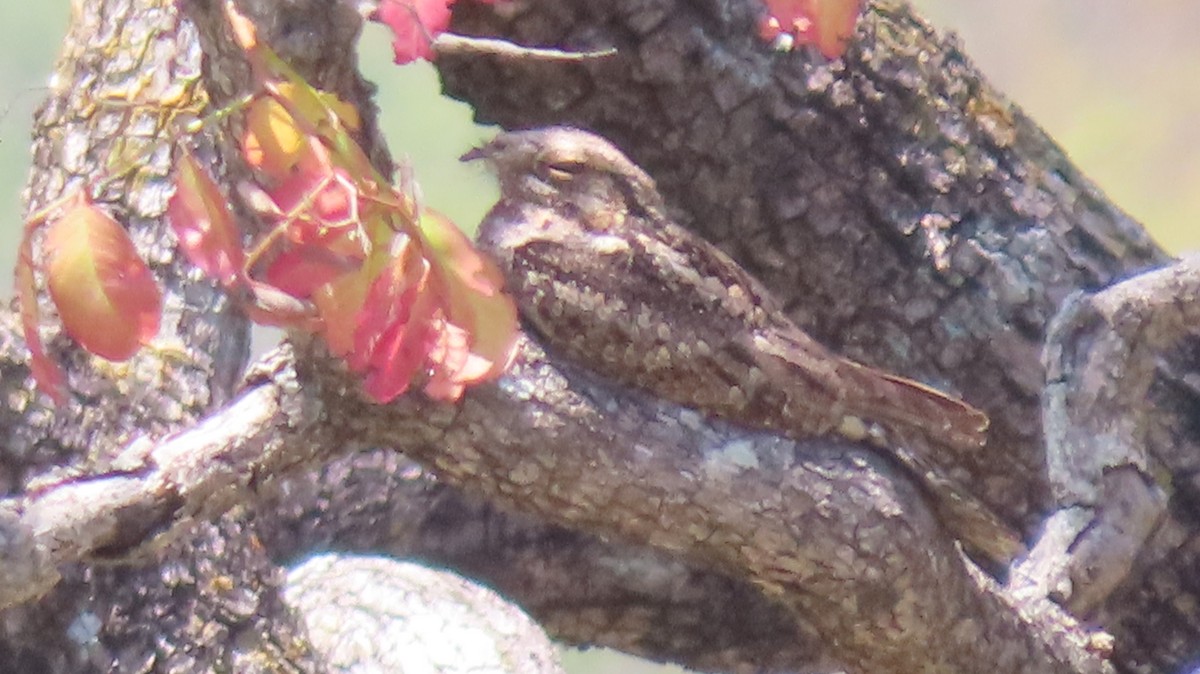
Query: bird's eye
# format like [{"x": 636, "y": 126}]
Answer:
[{"x": 561, "y": 171}]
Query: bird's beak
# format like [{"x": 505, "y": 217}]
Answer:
[{"x": 475, "y": 154}]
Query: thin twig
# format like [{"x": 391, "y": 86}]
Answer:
[{"x": 452, "y": 43}]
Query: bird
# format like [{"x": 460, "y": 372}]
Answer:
[{"x": 607, "y": 280}]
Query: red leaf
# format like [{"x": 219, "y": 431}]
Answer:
[
  {"x": 414, "y": 24},
  {"x": 827, "y": 24},
  {"x": 401, "y": 354},
  {"x": 105, "y": 294},
  {"x": 474, "y": 303},
  {"x": 339, "y": 304},
  {"x": 271, "y": 142},
  {"x": 277, "y": 142},
  {"x": 833, "y": 23},
  {"x": 46, "y": 372},
  {"x": 206, "y": 229},
  {"x": 300, "y": 271},
  {"x": 388, "y": 303},
  {"x": 322, "y": 202},
  {"x": 435, "y": 308},
  {"x": 453, "y": 365},
  {"x": 397, "y": 342}
]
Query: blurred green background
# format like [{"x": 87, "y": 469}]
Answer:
[{"x": 1117, "y": 83}]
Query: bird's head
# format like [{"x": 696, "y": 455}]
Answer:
[{"x": 574, "y": 172}]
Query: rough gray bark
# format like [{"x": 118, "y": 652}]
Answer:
[{"x": 939, "y": 233}]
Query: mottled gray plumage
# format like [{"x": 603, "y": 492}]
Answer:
[{"x": 608, "y": 281}]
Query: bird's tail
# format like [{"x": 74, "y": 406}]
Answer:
[
  {"x": 900, "y": 403},
  {"x": 929, "y": 432}
]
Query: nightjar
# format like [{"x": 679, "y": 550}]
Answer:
[{"x": 607, "y": 280}]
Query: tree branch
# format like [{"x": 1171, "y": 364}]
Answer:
[
  {"x": 826, "y": 529},
  {"x": 1120, "y": 411}
]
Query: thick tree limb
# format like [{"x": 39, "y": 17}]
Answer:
[
  {"x": 580, "y": 588},
  {"x": 818, "y": 528},
  {"x": 1122, "y": 436}
]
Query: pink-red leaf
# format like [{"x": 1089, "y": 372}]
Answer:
[
  {"x": 322, "y": 201},
  {"x": 827, "y": 24},
  {"x": 475, "y": 303},
  {"x": 272, "y": 142},
  {"x": 207, "y": 231},
  {"x": 276, "y": 141},
  {"x": 396, "y": 340},
  {"x": 436, "y": 308},
  {"x": 453, "y": 365},
  {"x": 414, "y": 25},
  {"x": 400, "y": 355},
  {"x": 105, "y": 294},
  {"x": 46, "y": 372},
  {"x": 301, "y": 270},
  {"x": 389, "y": 302},
  {"x": 339, "y": 304}
]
